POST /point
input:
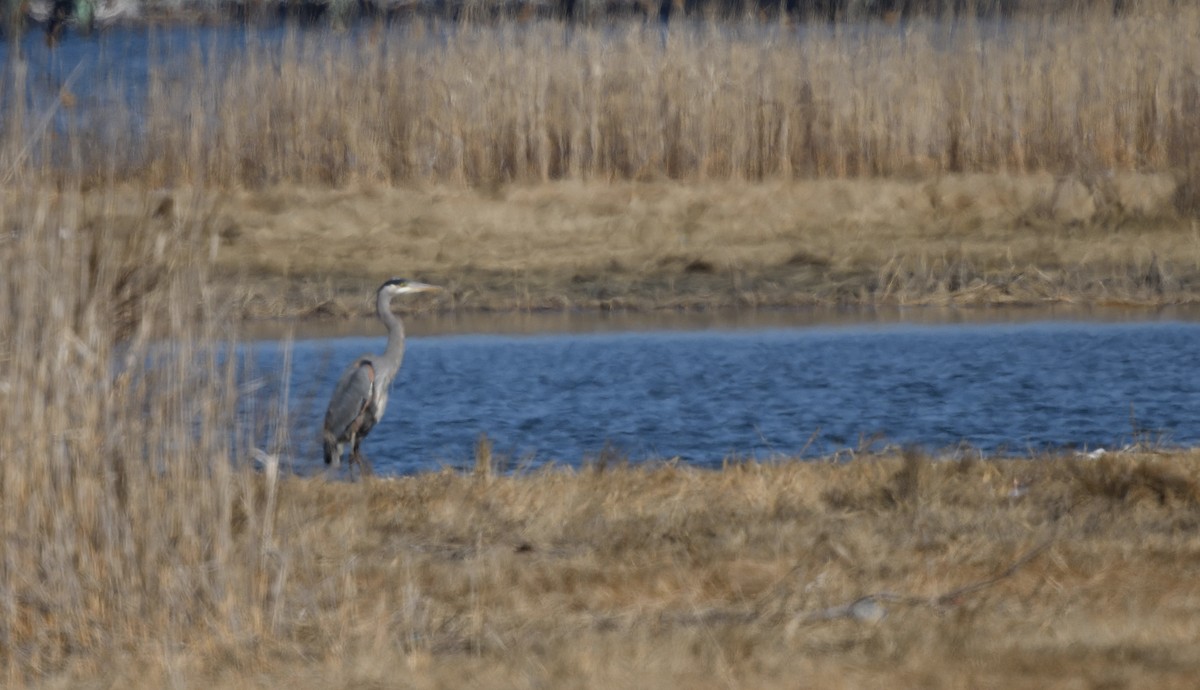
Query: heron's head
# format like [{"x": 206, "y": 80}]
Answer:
[{"x": 404, "y": 286}]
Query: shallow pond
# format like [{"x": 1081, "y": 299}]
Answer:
[{"x": 712, "y": 393}]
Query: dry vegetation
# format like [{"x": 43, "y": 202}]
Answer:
[
  {"x": 115, "y": 428},
  {"x": 423, "y": 102},
  {"x": 963, "y": 240},
  {"x": 897, "y": 571}
]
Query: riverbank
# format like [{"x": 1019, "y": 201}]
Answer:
[
  {"x": 317, "y": 254},
  {"x": 897, "y": 569},
  {"x": 968, "y": 240}
]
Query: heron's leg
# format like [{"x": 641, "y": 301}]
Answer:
[
  {"x": 364, "y": 466},
  {"x": 356, "y": 458},
  {"x": 333, "y": 460}
]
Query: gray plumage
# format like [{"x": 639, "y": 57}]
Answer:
[{"x": 361, "y": 394}]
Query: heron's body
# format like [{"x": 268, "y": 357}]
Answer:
[
  {"x": 361, "y": 394},
  {"x": 358, "y": 403}
]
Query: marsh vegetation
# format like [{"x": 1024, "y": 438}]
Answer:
[{"x": 485, "y": 105}]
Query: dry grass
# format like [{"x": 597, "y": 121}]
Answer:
[
  {"x": 532, "y": 103},
  {"x": 120, "y": 508},
  {"x": 964, "y": 240},
  {"x": 666, "y": 576},
  {"x": 957, "y": 240},
  {"x": 425, "y": 101}
]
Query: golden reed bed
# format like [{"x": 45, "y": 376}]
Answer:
[{"x": 1089, "y": 94}]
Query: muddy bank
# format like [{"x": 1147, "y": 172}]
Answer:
[{"x": 967, "y": 240}]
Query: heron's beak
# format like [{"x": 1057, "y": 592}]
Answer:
[{"x": 421, "y": 287}]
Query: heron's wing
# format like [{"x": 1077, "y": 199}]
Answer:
[{"x": 350, "y": 397}]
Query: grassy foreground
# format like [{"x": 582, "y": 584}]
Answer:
[{"x": 897, "y": 571}]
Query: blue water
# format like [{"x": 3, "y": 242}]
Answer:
[
  {"x": 705, "y": 396},
  {"x": 111, "y": 75}
]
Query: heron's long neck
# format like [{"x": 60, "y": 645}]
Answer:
[{"x": 395, "y": 327}]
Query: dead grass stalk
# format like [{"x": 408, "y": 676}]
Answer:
[{"x": 424, "y": 101}]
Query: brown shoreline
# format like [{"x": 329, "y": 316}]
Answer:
[
  {"x": 430, "y": 323},
  {"x": 968, "y": 241}
]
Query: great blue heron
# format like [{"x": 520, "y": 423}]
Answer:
[{"x": 361, "y": 394}]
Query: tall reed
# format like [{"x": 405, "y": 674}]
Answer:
[
  {"x": 126, "y": 517},
  {"x": 462, "y": 103}
]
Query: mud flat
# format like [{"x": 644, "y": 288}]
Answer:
[{"x": 971, "y": 240}]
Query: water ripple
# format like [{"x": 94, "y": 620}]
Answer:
[{"x": 704, "y": 396}]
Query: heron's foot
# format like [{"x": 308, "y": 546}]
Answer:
[{"x": 364, "y": 465}]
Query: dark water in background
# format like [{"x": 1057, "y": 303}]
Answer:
[
  {"x": 111, "y": 76},
  {"x": 710, "y": 394}
]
